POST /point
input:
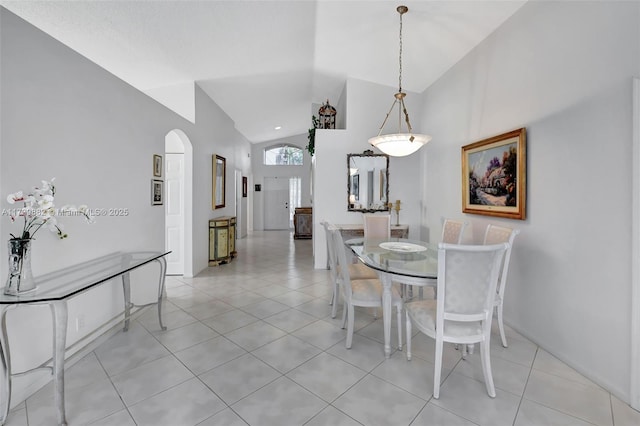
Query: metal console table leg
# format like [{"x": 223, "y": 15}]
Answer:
[
  {"x": 59, "y": 313},
  {"x": 5, "y": 360},
  {"x": 59, "y": 317},
  {"x": 163, "y": 270},
  {"x": 126, "y": 286}
]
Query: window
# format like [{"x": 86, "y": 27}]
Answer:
[{"x": 283, "y": 155}]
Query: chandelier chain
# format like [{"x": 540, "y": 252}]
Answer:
[{"x": 400, "y": 58}]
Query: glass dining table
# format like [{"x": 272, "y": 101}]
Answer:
[{"x": 397, "y": 260}]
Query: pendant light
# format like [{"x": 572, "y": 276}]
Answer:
[{"x": 399, "y": 144}]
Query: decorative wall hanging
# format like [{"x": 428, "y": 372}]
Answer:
[
  {"x": 494, "y": 176},
  {"x": 156, "y": 192},
  {"x": 327, "y": 116},
  {"x": 157, "y": 165},
  {"x": 219, "y": 167}
]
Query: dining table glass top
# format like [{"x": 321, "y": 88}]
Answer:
[{"x": 398, "y": 256}]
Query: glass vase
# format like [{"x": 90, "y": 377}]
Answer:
[{"x": 20, "y": 278}]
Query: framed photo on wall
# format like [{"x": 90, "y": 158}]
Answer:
[
  {"x": 157, "y": 165},
  {"x": 157, "y": 191},
  {"x": 494, "y": 176},
  {"x": 244, "y": 187}
]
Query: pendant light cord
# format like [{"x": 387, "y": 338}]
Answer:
[{"x": 400, "y": 57}]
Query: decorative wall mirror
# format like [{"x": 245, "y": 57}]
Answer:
[
  {"x": 367, "y": 182},
  {"x": 219, "y": 173}
]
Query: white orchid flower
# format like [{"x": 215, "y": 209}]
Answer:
[
  {"x": 39, "y": 210},
  {"x": 53, "y": 225},
  {"x": 17, "y": 196}
]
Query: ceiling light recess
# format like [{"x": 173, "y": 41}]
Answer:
[{"x": 399, "y": 144}]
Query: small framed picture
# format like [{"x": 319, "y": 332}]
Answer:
[
  {"x": 157, "y": 165},
  {"x": 244, "y": 187},
  {"x": 157, "y": 192}
]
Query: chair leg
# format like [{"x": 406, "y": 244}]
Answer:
[
  {"x": 408, "y": 328},
  {"x": 350, "y": 315},
  {"x": 333, "y": 296},
  {"x": 486, "y": 368},
  {"x": 334, "y": 308},
  {"x": 344, "y": 315},
  {"x": 501, "y": 326},
  {"x": 437, "y": 369},
  {"x": 399, "y": 310}
]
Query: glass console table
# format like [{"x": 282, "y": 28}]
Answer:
[{"x": 54, "y": 289}]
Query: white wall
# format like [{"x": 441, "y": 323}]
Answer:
[
  {"x": 63, "y": 116},
  {"x": 564, "y": 71},
  {"x": 260, "y": 171},
  {"x": 367, "y": 105}
]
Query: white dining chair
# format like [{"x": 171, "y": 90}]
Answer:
[
  {"x": 493, "y": 235},
  {"x": 462, "y": 312},
  {"x": 357, "y": 271},
  {"x": 377, "y": 226},
  {"x": 453, "y": 231},
  {"x": 363, "y": 292}
]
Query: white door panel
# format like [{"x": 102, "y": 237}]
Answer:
[
  {"x": 174, "y": 223},
  {"x": 276, "y": 203}
]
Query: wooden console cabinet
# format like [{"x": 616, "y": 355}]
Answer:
[
  {"x": 303, "y": 222},
  {"x": 222, "y": 240}
]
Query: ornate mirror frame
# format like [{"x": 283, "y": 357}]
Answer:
[{"x": 365, "y": 171}]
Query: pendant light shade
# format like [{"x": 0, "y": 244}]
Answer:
[{"x": 399, "y": 144}]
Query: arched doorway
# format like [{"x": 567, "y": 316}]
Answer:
[{"x": 179, "y": 202}]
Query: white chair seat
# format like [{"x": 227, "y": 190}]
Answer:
[
  {"x": 370, "y": 291},
  {"x": 423, "y": 313},
  {"x": 358, "y": 271}
]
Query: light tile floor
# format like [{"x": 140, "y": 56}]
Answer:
[{"x": 252, "y": 342}]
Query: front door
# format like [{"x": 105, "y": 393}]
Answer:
[
  {"x": 276, "y": 203},
  {"x": 174, "y": 219}
]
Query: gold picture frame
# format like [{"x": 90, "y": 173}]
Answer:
[
  {"x": 157, "y": 165},
  {"x": 494, "y": 176},
  {"x": 219, "y": 171}
]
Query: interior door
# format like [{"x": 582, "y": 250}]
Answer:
[
  {"x": 276, "y": 203},
  {"x": 174, "y": 213}
]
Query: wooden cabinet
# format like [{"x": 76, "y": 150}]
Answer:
[
  {"x": 303, "y": 222},
  {"x": 222, "y": 240}
]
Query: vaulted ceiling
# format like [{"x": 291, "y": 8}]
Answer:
[{"x": 266, "y": 62}]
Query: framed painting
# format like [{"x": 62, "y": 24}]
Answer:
[
  {"x": 494, "y": 176},
  {"x": 156, "y": 192},
  {"x": 219, "y": 167},
  {"x": 157, "y": 165},
  {"x": 244, "y": 187}
]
